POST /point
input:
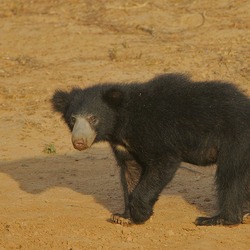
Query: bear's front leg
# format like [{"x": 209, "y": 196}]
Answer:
[
  {"x": 141, "y": 208},
  {"x": 130, "y": 173},
  {"x": 146, "y": 193}
]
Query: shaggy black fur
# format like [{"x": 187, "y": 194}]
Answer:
[{"x": 163, "y": 122}]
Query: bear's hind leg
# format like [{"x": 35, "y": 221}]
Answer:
[{"x": 232, "y": 181}]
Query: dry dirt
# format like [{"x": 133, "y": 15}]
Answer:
[{"x": 63, "y": 200}]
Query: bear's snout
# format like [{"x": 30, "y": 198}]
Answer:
[
  {"x": 83, "y": 135},
  {"x": 80, "y": 144}
]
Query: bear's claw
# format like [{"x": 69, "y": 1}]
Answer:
[{"x": 118, "y": 219}]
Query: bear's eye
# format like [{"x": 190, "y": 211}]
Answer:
[
  {"x": 93, "y": 120},
  {"x": 72, "y": 120}
]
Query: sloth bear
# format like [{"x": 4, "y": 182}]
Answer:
[{"x": 154, "y": 126}]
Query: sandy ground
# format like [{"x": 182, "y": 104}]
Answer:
[{"x": 63, "y": 200}]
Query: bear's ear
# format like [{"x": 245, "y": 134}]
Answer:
[
  {"x": 60, "y": 101},
  {"x": 114, "y": 97}
]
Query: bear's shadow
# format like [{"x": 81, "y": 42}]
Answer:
[{"x": 94, "y": 172}]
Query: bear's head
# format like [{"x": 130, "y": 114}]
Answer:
[{"x": 91, "y": 113}]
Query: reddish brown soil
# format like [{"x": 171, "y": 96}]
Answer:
[{"x": 63, "y": 200}]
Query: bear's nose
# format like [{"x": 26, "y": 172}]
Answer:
[{"x": 80, "y": 144}]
